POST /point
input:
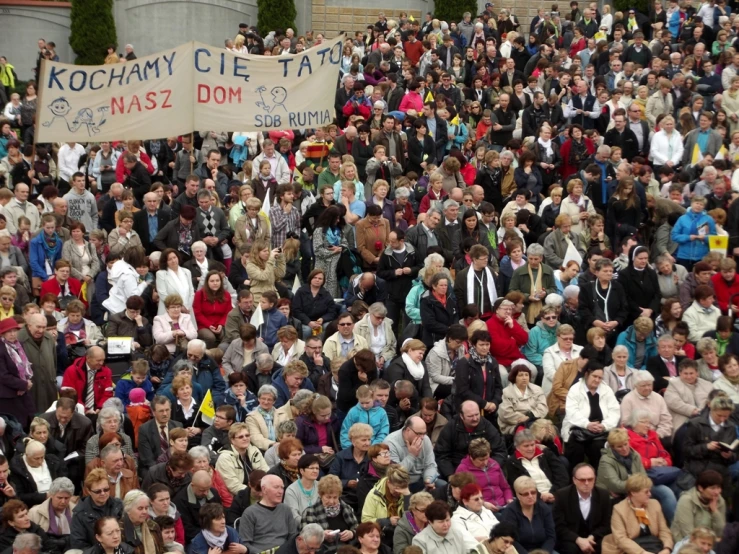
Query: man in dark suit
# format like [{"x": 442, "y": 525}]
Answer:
[
  {"x": 510, "y": 74},
  {"x": 665, "y": 364},
  {"x": 73, "y": 430},
  {"x": 149, "y": 221},
  {"x": 114, "y": 203},
  {"x": 154, "y": 434},
  {"x": 394, "y": 94},
  {"x": 582, "y": 514},
  {"x": 437, "y": 128},
  {"x": 191, "y": 498}
]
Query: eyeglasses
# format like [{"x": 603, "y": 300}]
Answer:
[
  {"x": 417, "y": 433},
  {"x": 100, "y": 491},
  {"x": 567, "y": 339},
  {"x": 385, "y": 453},
  {"x": 588, "y": 480},
  {"x": 345, "y": 324},
  {"x": 241, "y": 437},
  {"x": 528, "y": 493},
  {"x": 549, "y": 318}
]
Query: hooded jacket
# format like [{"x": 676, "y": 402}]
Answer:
[
  {"x": 125, "y": 284},
  {"x": 232, "y": 470},
  {"x": 541, "y": 337},
  {"x": 490, "y": 479},
  {"x": 628, "y": 339},
  {"x": 375, "y": 417},
  {"x": 690, "y": 224},
  {"x": 85, "y": 514},
  {"x": 413, "y": 299},
  {"x": 612, "y": 474}
]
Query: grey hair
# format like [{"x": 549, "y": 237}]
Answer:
[
  {"x": 199, "y": 452},
  {"x": 301, "y": 398},
  {"x": 27, "y": 541},
  {"x": 554, "y": 300},
  {"x": 434, "y": 210},
  {"x": 507, "y": 154},
  {"x": 203, "y": 193},
  {"x": 132, "y": 498},
  {"x": 523, "y": 436},
  {"x": 198, "y": 244},
  {"x": 402, "y": 192},
  {"x": 661, "y": 259},
  {"x": 639, "y": 415},
  {"x": 571, "y": 291},
  {"x": 264, "y": 360},
  {"x": 665, "y": 338},
  {"x": 535, "y": 249},
  {"x": 604, "y": 149},
  {"x": 287, "y": 427},
  {"x": 181, "y": 365},
  {"x": 160, "y": 399},
  {"x": 108, "y": 450},
  {"x": 33, "y": 446},
  {"x": 450, "y": 204},
  {"x": 62, "y": 484},
  {"x": 378, "y": 309},
  {"x": 618, "y": 349},
  {"x": 312, "y": 532},
  {"x": 195, "y": 344},
  {"x": 705, "y": 344},
  {"x": 709, "y": 169},
  {"x": 267, "y": 389},
  {"x": 433, "y": 259},
  {"x": 108, "y": 413},
  {"x": 116, "y": 403},
  {"x": 643, "y": 376}
]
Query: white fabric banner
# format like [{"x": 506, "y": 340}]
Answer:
[{"x": 193, "y": 87}]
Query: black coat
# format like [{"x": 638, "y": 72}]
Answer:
[
  {"x": 454, "y": 441},
  {"x": 21, "y": 407},
  {"x": 548, "y": 462},
  {"x": 141, "y": 226},
  {"x": 169, "y": 237},
  {"x": 397, "y": 371},
  {"x": 490, "y": 181},
  {"x": 695, "y": 446},
  {"x": 470, "y": 385},
  {"x": 307, "y": 307},
  {"x": 348, "y": 384},
  {"x": 618, "y": 304},
  {"x": 149, "y": 446},
  {"x": 398, "y": 285},
  {"x": 194, "y": 420},
  {"x": 627, "y": 141},
  {"x": 659, "y": 371},
  {"x": 417, "y": 151},
  {"x": 84, "y": 516},
  {"x": 76, "y": 435},
  {"x": 23, "y": 483},
  {"x": 158, "y": 474},
  {"x": 190, "y": 513},
  {"x": 436, "y": 317},
  {"x": 568, "y": 519},
  {"x": 642, "y": 291},
  {"x": 139, "y": 181},
  {"x": 107, "y": 221}
]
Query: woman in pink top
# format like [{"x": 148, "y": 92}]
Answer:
[{"x": 412, "y": 100}]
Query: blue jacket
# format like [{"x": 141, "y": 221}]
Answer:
[
  {"x": 241, "y": 411},
  {"x": 125, "y": 385},
  {"x": 166, "y": 390},
  {"x": 541, "y": 337},
  {"x": 199, "y": 546},
  {"x": 283, "y": 393},
  {"x": 688, "y": 224},
  {"x": 628, "y": 339},
  {"x": 345, "y": 467},
  {"x": 375, "y": 417},
  {"x": 208, "y": 376},
  {"x": 37, "y": 256},
  {"x": 102, "y": 292},
  {"x": 537, "y": 533},
  {"x": 273, "y": 320}
]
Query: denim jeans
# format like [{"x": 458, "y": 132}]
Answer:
[{"x": 664, "y": 495}]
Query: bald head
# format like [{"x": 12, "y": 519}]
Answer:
[
  {"x": 201, "y": 478},
  {"x": 470, "y": 414},
  {"x": 95, "y": 357},
  {"x": 351, "y": 132}
]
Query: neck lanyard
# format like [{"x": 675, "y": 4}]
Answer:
[{"x": 604, "y": 298}]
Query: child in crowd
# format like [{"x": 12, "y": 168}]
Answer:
[
  {"x": 137, "y": 377},
  {"x": 366, "y": 412},
  {"x": 159, "y": 361},
  {"x": 139, "y": 411},
  {"x": 273, "y": 319}
]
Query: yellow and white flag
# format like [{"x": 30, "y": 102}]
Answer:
[
  {"x": 207, "y": 409},
  {"x": 696, "y": 156},
  {"x": 722, "y": 153},
  {"x": 717, "y": 243}
]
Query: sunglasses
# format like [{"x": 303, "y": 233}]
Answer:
[
  {"x": 100, "y": 491},
  {"x": 345, "y": 324}
]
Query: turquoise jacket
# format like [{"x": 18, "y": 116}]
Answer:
[
  {"x": 628, "y": 339},
  {"x": 375, "y": 417},
  {"x": 541, "y": 337},
  {"x": 413, "y": 300}
]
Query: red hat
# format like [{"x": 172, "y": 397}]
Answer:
[{"x": 8, "y": 324}]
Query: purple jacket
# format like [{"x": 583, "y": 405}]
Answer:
[
  {"x": 308, "y": 434},
  {"x": 495, "y": 488}
]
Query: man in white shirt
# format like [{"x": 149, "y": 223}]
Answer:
[
  {"x": 20, "y": 206},
  {"x": 68, "y": 164}
]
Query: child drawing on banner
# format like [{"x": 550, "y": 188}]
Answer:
[
  {"x": 279, "y": 95},
  {"x": 60, "y": 108}
]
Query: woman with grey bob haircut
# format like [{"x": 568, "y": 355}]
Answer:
[
  {"x": 109, "y": 420},
  {"x": 286, "y": 429}
]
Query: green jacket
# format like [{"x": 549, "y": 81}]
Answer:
[
  {"x": 691, "y": 513},
  {"x": 521, "y": 282},
  {"x": 612, "y": 474},
  {"x": 7, "y": 76}
]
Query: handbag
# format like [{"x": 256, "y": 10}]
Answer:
[
  {"x": 324, "y": 458},
  {"x": 650, "y": 543},
  {"x": 578, "y": 434},
  {"x": 664, "y": 475}
]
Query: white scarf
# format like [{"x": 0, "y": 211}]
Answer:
[
  {"x": 547, "y": 144},
  {"x": 492, "y": 293},
  {"x": 213, "y": 540},
  {"x": 416, "y": 370}
]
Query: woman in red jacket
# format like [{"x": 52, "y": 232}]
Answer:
[
  {"x": 726, "y": 284},
  {"x": 509, "y": 337},
  {"x": 211, "y": 307}
]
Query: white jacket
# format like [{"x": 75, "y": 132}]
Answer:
[
  {"x": 282, "y": 171},
  {"x": 125, "y": 283},
  {"x": 577, "y": 408},
  {"x": 550, "y": 362},
  {"x": 169, "y": 283},
  {"x": 659, "y": 150},
  {"x": 471, "y": 525},
  {"x": 699, "y": 321},
  {"x": 13, "y": 212}
]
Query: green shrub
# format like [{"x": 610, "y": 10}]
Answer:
[
  {"x": 93, "y": 30},
  {"x": 626, "y": 5},
  {"x": 452, "y": 10},
  {"x": 276, "y": 14}
]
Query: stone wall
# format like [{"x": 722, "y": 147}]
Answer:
[
  {"x": 334, "y": 16},
  {"x": 23, "y": 23}
]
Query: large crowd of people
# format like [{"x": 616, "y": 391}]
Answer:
[{"x": 490, "y": 309}]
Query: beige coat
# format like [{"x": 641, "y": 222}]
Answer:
[
  {"x": 39, "y": 514},
  {"x": 625, "y": 527},
  {"x": 657, "y": 104},
  {"x": 332, "y": 346},
  {"x": 70, "y": 252},
  {"x": 231, "y": 467},
  {"x": 119, "y": 244},
  {"x": 263, "y": 280},
  {"x": 569, "y": 207},
  {"x": 515, "y": 405},
  {"x": 682, "y": 399},
  {"x": 297, "y": 352},
  {"x": 258, "y": 427},
  {"x": 245, "y": 234},
  {"x": 363, "y": 329}
]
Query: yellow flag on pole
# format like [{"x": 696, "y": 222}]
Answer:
[
  {"x": 717, "y": 243},
  {"x": 696, "y": 156},
  {"x": 429, "y": 97},
  {"x": 207, "y": 409},
  {"x": 722, "y": 153},
  {"x": 266, "y": 205},
  {"x": 455, "y": 120}
]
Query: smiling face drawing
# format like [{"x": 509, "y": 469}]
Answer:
[
  {"x": 60, "y": 107},
  {"x": 279, "y": 95}
]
